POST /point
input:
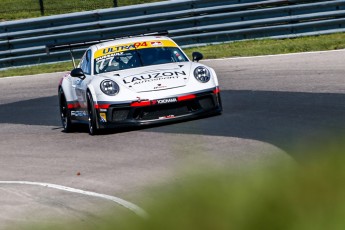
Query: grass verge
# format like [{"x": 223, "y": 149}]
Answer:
[
  {"x": 271, "y": 46},
  {"x": 45, "y": 68},
  {"x": 234, "y": 49},
  {"x": 20, "y": 9}
]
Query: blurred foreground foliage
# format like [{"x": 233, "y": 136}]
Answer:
[{"x": 308, "y": 195}]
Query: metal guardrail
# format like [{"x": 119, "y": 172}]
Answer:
[{"x": 188, "y": 22}]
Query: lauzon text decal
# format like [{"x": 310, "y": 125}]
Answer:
[{"x": 153, "y": 77}]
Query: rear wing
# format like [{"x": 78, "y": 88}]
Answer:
[{"x": 70, "y": 47}]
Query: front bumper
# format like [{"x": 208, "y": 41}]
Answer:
[{"x": 159, "y": 111}]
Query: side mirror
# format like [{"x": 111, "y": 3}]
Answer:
[
  {"x": 197, "y": 56},
  {"x": 78, "y": 72}
]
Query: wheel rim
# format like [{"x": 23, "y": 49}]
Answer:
[
  {"x": 64, "y": 115},
  {"x": 90, "y": 121}
]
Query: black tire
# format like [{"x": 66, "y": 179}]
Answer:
[
  {"x": 65, "y": 113},
  {"x": 220, "y": 104},
  {"x": 93, "y": 128}
]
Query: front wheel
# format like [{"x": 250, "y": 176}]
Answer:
[
  {"x": 93, "y": 129},
  {"x": 65, "y": 113},
  {"x": 220, "y": 104}
]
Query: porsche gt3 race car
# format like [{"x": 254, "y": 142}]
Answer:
[{"x": 136, "y": 81}]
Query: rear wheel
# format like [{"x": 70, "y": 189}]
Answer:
[
  {"x": 65, "y": 113},
  {"x": 93, "y": 129}
]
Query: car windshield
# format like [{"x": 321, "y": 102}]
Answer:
[{"x": 137, "y": 58}]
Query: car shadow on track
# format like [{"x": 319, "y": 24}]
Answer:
[
  {"x": 40, "y": 111},
  {"x": 284, "y": 119},
  {"x": 279, "y": 118}
]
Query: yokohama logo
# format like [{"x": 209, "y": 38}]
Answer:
[{"x": 165, "y": 101}]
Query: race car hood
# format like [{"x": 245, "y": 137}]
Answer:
[{"x": 153, "y": 78}]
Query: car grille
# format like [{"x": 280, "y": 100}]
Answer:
[
  {"x": 119, "y": 114},
  {"x": 157, "y": 112},
  {"x": 206, "y": 102}
]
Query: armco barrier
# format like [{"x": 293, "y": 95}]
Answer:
[{"x": 188, "y": 22}]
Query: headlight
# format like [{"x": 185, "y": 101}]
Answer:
[
  {"x": 202, "y": 74},
  {"x": 110, "y": 87}
]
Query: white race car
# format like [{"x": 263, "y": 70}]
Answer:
[{"x": 136, "y": 81}]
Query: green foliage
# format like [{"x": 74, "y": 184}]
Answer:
[
  {"x": 269, "y": 46},
  {"x": 133, "y": 2},
  {"x": 19, "y": 9},
  {"x": 44, "y": 68}
]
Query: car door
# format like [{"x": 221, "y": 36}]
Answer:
[{"x": 81, "y": 84}]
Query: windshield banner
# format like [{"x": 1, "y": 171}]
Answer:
[{"x": 110, "y": 51}]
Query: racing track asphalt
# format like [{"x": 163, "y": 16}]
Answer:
[{"x": 271, "y": 104}]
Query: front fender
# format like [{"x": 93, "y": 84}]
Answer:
[
  {"x": 66, "y": 85},
  {"x": 215, "y": 78},
  {"x": 92, "y": 90}
]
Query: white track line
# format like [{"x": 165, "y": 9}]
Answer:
[
  {"x": 134, "y": 208},
  {"x": 274, "y": 55}
]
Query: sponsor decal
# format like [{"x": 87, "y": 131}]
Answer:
[
  {"x": 164, "y": 101},
  {"x": 78, "y": 113},
  {"x": 159, "y": 86},
  {"x": 154, "y": 77},
  {"x": 103, "y": 117},
  {"x": 156, "y": 43},
  {"x": 109, "y": 56},
  {"x": 132, "y": 46},
  {"x": 146, "y": 102},
  {"x": 140, "y": 100}
]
